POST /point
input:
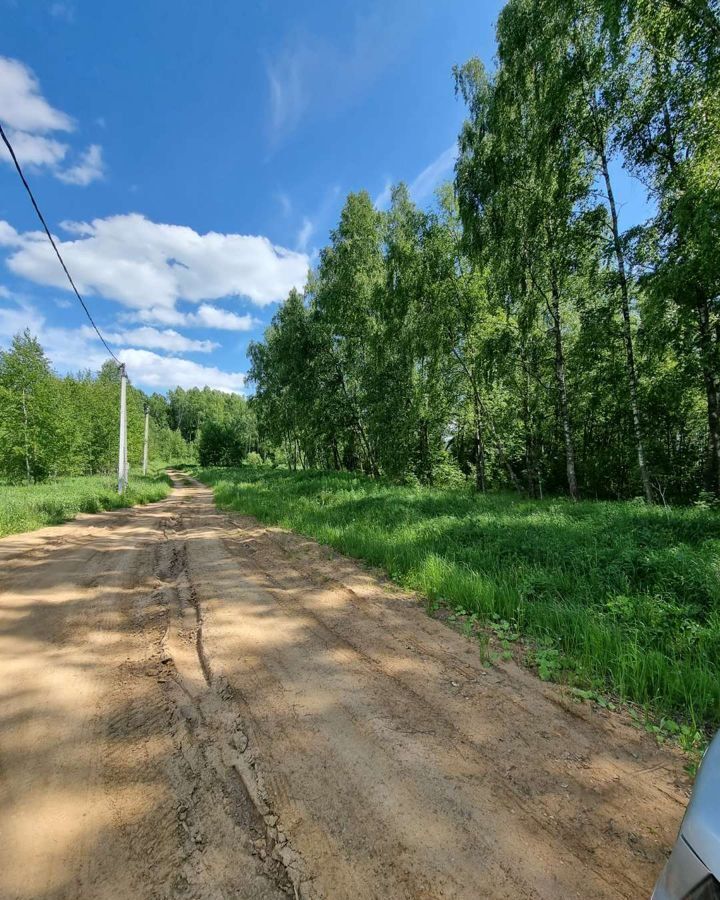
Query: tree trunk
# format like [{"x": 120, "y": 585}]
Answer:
[
  {"x": 708, "y": 358},
  {"x": 706, "y": 332},
  {"x": 425, "y": 464},
  {"x": 374, "y": 471},
  {"x": 479, "y": 450},
  {"x": 496, "y": 437},
  {"x": 532, "y": 476},
  {"x": 562, "y": 390},
  {"x": 27, "y": 442},
  {"x": 627, "y": 330}
]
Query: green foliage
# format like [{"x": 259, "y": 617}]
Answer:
[
  {"x": 227, "y": 440},
  {"x": 548, "y": 663},
  {"x": 514, "y": 324},
  {"x": 35, "y": 506},
  {"x": 28, "y": 396},
  {"x": 623, "y": 595},
  {"x": 52, "y": 427}
]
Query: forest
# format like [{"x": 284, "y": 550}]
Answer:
[
  {"x": 53, "y": 426},
  {"x": 518, "y": 333}
]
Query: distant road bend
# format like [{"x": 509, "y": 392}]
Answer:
[{"x": 196, "y": 706}]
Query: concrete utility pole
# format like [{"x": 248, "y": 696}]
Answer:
[
  {"x": 145, "y": 440},
  {"x": 122, "y": 452}
]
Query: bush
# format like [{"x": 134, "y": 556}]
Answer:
[
  {"x": 223, "y": 443},
  {"x": 447, "y": 473}
]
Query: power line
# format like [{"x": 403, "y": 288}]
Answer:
[{"x": 54, "y": 245}]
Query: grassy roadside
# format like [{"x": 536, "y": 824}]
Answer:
[
  {"x": 26, "y": 507},
  {"x": 616, "y": 596}
]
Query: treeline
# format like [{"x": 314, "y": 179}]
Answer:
[
  {"x": 221, "y": 426},
  {"x": 516, "y": 333},
  {"x": 53, "y": 426}
]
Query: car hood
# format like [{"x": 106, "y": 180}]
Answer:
[{"x": 701, "y": 825}]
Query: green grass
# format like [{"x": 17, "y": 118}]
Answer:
[
  {"x": 623, "y": 597},
  {"x": 24, "y": 508}
]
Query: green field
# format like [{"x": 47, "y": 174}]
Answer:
[
  {"x": 615, "y": 596},
  {"x": 23, "y": 508}
]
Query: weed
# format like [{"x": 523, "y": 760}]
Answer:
[
  {"x": 548, "y": 663},
  {"x": 483, "y": 639}
]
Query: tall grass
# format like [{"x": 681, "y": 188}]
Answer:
[
  {"x": 25, "y": 507},
  {"x": 628, "y": 594}
]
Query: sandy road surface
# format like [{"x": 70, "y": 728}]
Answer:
[{"x": 193, "y": 706}]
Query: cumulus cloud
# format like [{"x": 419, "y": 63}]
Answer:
[
  {"x": 154, "y": 371},
  {"x": 8, "y": 236},
  {"x": 35, "y": 149},
  {"x": 67, "y": 348},
  {"x": 154, "y": 338},
  {"x": 70, "y": 349},
  {"x": 17, "y": 318},
  {"x": 22, "y": 106},
  {"x": 146, "y": 265},
  {"x": 30, "y": 121},
  {"x": 207, "y": 316},
  {"x": 88, "y": 169}
]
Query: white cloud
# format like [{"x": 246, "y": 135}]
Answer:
[
  {"x": 157, "y": 315},
  {"x": 34, "y": 149},
  {"x": 155, "y": 371},
  {"x": 22, "y": 106},
  {"x": 8, "y": 236},
  {"x": 88, "y": 169},
  {"x": 207, "y": 316},
  {"x": 70, "y": 349},
  {"x": 288, "y": 97},
  {"x": 67, "y": 348},
  {"x": 146, "y": 265},
  {"x": 308, "y": 75},
  {"x": 383, "y": 198},
  {"x": 30, "y": 120},
  {"x": 425, "y": 183},
  {"x": 432, "y": 175},
  {"x": 285, "y": 202},
  {"x": 305, "y": 234},
  {"x": 18, "y": 317},
  {"x": 154, "y": 338}
]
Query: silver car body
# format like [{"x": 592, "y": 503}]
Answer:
[{"x": 693, "y": 870}]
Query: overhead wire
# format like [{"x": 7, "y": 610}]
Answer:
[{"x": 52, "y": 241}]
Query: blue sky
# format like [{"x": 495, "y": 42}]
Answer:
[{"x": 192, "y": 157}]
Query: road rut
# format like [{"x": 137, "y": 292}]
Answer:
[{"x": 193, "y": 705}]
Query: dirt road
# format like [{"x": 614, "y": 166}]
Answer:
[{"x": 193, "y": 706}]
